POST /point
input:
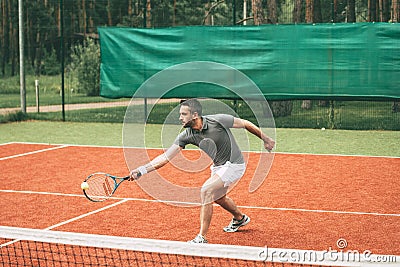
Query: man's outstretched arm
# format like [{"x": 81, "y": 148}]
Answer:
[
  {"x": 269, "y": 143},
  {"x": 156, "y": 163}
]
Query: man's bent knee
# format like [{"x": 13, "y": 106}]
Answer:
[
  {"x": 220, "y": 200},
  {"x": 207, "y": 195}
]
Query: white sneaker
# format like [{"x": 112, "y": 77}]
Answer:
[
  {"x": 199, "y": 239},
  {"x": 234, "y": 225}
]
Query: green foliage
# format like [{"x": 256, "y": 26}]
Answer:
[
  {"x": 85, "y": 67},
  {"x": 9, "y": 85},
  {"x": 132, "y": 21},
  {"x": 50, "y": 64},
  {"x": 49, "y": 91},
  {"x": 13, "y": 117}
]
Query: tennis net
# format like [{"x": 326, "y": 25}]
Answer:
[{"x": 32, "y": 247}]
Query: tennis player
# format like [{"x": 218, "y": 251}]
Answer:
[{"x": 212, "y": 134}]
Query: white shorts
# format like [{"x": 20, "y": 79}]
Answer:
[{"x": 229, "y": 172}]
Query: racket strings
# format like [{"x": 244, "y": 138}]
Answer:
[{"x": 100, "y": 186}]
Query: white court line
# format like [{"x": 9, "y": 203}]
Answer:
[
  {"x": 325, "y": 211},
  {"x": 196, "y": 204},
  {"x": 8, "y": 143},
  {"x": 34, "y": 152},
  {"x": 86, "y": 214},
  {"x": 40, "y": 193},
  {"x": 244, "y": 151}
]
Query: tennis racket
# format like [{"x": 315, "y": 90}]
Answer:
[{"x": 101, "y": 186}]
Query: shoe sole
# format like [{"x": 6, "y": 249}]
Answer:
[{"x": 229, "y": 230}]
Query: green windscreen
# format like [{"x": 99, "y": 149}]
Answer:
[{"x": 285, "y": 61}]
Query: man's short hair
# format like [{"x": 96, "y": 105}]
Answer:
[{"x": 193, "y": 104}]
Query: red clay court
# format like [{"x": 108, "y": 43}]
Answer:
[{"x": 306, "y": 202}]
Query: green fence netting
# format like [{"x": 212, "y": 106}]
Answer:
[{"x": 336, "y": 61}]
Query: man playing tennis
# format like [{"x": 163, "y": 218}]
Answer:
[{"x": 212, "y": 134}]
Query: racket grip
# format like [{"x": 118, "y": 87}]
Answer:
[{"x": 142, "y": 170}]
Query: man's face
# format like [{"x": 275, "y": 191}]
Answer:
[{"x": 186, "y": 116}]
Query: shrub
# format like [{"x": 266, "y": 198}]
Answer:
[
  {"x": 85, "y": 67},
  {"x": 13, "y": 117},
  {"x": 50, "y": 64}
]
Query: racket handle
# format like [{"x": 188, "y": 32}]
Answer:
[
  {"x": 138, "y": 175},
  {"x": 142, "y": 170}
]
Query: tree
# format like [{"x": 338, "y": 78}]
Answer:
[
  {"x": 351, "y": 11},
  {"x": 297, "y": 11},
  {"x": 83, "y": 24},
  {"x": 395, "y": 11},
  {"x": 258, "y": 12},
  {"x": 81, "y": 17},
  {"x": 272, "y": 12},
  {"x": 85, "y": 67},
  {"x": 4, "y": 36},
  {"x": 13, "y": 35},
  {"x": 148, "y": 13}
]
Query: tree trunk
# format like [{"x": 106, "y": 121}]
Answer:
[
  {"x": 30, "y": 40},
  {"x": 148, "y": 14},
  {"x": 207, "y": 14},
  {"x": 313, "y": 11},
  {"x": 174, "y": 14},
  {"x": 130, "y": 10},
  {"x": 309, "y": 11},
  {"x": 38, "y": 53},
  {"x": 395, "y": 11},
  {"x": 351, "y": 11},
  {"x": 92, "y": 7},
  {"x": 13, "y": 36},
  {"x": 109, "y": 16},
  {"x": 384, "y": 10},
  {"x": 317, "y": 16},
  {"x": 14, "y": 50},
  {"x": 258, "y": 12},
  {"x": 335, "y": 11},
  {"x": 297, "y": 18},
  {"x": 84, "y": 18},
  {"x": 4, "y": 38},
  {"x": 272, "y": 14},
  {"x": 372, "y": 10}
]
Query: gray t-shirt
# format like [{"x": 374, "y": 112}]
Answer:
[{"x": 215, "y": 138}]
